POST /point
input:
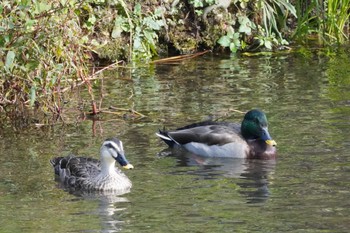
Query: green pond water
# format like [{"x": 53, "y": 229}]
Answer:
[{"x": 306, "y": 189}]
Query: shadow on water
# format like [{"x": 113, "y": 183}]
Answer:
[{"x": 252, "y": 176}]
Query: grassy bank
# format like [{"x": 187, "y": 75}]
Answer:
[{"x": 49, "y": 47}]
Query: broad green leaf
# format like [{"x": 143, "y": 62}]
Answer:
[
  {"x": 233, "y": 47},
  {"x": 10, "y": 57},
  {"x": 53, "y": 81},
  {"x": 149, "y": 36},
  {"x": 137, "y": 43},
  {"x": 117, "y": 29},
  {"x": 41, "y": 7},
  {"x": 158, "y": 12},
  {"x": 92, "y": 19},
  {"x": 29, "y": 24},
  {"x": 284, "y": 42},
  {"x": 236, "y": 40},
  {"x": 224, "y": 41},
  {"x": 137, "y": 9},
  {"x": 151, "y": 23},
  {"x": 230, "y": 31},
  {"x": 268, "y": 44},
  {"x": 245, "y": 25}
]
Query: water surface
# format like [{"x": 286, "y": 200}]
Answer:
[{"x": 307, "y": 102}]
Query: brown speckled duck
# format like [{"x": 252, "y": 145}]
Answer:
[
  {"x": 92, "y": 174},
  {"x": 250, "y": 140}
]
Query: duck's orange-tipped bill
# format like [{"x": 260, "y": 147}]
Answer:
[
  {"x": 271, "y": 142},
  {"x": 128, "y": 166}
]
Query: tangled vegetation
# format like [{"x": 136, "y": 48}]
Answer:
[{"x": 48, "y": 47}]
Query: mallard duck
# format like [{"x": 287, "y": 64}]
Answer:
[
  {"x": 92, "y": 174},
  {"x": 250, "y": 140}
]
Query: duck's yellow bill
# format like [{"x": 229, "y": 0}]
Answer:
[
  {"x": 128, "y": 166},
  {"x": 271, "y": 142}
]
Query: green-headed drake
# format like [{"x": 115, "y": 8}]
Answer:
[
  {"x": 250, "y": 140},
  {"x": 92, "y": 174}
]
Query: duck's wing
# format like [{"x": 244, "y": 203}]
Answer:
[
  {"x": 217, "y": 134},
  {"x": 84, "y": 167},
  {"x": 73, "y": 170},
  {"x": 234, "y": 126}
]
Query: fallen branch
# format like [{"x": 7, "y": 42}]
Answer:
[
  {"x": 128, "y": 110},
  {"x": 235, "y": 110},
  {"x": 118, "y": 113},
  {"x": 179, "y": 58}
]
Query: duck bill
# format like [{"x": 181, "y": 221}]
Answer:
[
  {"x": 265, "y": 135},
  {"x": 123, "y": 162},
  {"x": 271, "y": 142}
]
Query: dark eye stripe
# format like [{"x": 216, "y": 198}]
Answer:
[
  {"x": 112, "y": 145},
  {"x": 109, "y": 145}
]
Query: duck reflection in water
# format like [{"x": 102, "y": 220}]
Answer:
[{"x": 251, "y": 175}]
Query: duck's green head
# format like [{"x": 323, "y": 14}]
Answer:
[{"x": 254, "y": 126}]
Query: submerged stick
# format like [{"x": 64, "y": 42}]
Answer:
[
  {"x": 120, "y": 110},
  {"x": 179, "y": 58},
  {"x": 129, "y": 110}
]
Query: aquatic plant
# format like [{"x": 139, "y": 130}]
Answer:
[{"x": 329, "y": 20}]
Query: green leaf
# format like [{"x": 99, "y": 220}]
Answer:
[
  {"x": 284, "y": 42},
  {"x": 286, "y": 4},
  {"x": 92, "y": 19},
  {"x": 29, "y": 24},
  {"x": 233, "y": 47},
  {"x": 41, "y": 6},
  {"x": 224, "y": 41},
  {"x": 151, "y": 23},
  {"x": 137, "y": 43},
  {"x": 32, "y": 95},
  {"x": 230, "y": 31},
  {"x": 236, "y": 40},
  {"x": 158, "y": 12},
  {"x": 149, "y": 36},
  {"x": 268, "y": 44},
  {"x": 245, "y": 25},
  {"x": 53, "y": 81},
  {"x": 118, "y": 27},
  {"x": 137, "y": 9},
  {"x": 10, "y": 57}
]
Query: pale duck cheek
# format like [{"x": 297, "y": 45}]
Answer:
[{"x": 232, "y": 150}]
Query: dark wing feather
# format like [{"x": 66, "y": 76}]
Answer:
[
  {"x": 83, "y": 167},
  {"x": 73, "y": 170},
  {"x": 208, "y": 134},
  {"x": 233, "y": 126}
]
